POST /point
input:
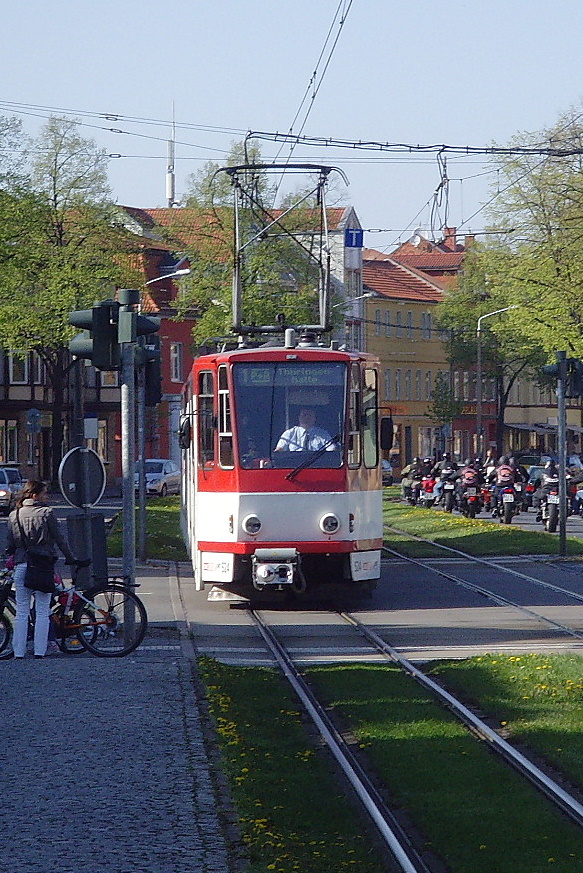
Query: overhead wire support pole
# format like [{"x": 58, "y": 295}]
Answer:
[{"x": 562, "y": 438}]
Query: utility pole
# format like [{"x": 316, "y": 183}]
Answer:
[{"x": 560, "y": 372}]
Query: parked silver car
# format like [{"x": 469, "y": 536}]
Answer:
[
  {"x": 10, "y": 484},
  {"x": 162, "y": 476}
]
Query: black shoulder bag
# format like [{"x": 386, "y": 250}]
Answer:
[{"x": 40, "y": 568}]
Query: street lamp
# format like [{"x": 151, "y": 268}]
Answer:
[
  {"x": 352, "y": 317},
  {"x": 184, "y": 271},
  {"x": 479, "y": 434}
]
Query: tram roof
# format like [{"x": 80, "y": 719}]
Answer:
[{"x": 282, "y": 353}]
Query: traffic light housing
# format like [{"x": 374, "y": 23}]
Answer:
[
  {"x": 574, "y": 379},
  {"x": 98, "y": 342},
  {"x": 148, "y": 357}
]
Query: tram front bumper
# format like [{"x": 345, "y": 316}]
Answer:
[{"x": 274, "y": 567}]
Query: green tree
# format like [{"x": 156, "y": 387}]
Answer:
[
  {"x": 507, "y": 351},
  {"x": 443, "y": 407},
  {"x": 533, "y": 259},
  {"x": 60, "y": 250}
]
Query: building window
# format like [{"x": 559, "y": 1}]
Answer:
[
  {"x": 428, "y": 385},
  {"x": 417, "y": 384},
  {"x": 176, "y": 358},
  {"x": 388, "y": 384},
  {"x": 377, "y": 322},
  {"x": 426, "y": 325},
  {"x": 18, "y": 369},
  {"x": 38, "y": 369},
  {"x": 8, "y": 442},
  {"x": 399, "y": 330},
  {"x": 410, "y": 324},
  {"x": 407, "y": 384},
  {"x": 466, "y": 394},
  {"x": 397, "y": 384},
  {"x": 387, "y": 322}
]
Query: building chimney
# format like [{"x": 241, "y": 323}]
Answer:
[{"x": 449, "y": 240}]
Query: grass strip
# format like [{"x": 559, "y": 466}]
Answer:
[
  {"x": 536, "y": 699},
  {"x": 474, "y": 536},
  {"x": 163, "y": 537},
  {"x": 475, "y": 812},
  {"x": 292, "y": 815}
]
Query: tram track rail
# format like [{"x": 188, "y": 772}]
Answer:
[
  {"x": 389, "y": 828},
  {"x": 482, "y": 590}
]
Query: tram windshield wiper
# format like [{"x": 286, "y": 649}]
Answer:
[{"x": 313, "y": 457}]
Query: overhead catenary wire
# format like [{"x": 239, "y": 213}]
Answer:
[{"x": 312, "y": 86}]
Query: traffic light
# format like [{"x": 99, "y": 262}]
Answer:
[
  {"x": 574, "y": 380},
  {"x": 98, "y": 342},
  {"x": 148, "y": 357}
]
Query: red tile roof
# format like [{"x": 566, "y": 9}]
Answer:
[{"x": 398, "y": 282}]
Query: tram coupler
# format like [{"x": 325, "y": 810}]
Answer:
[{"x": 273, "y": 567}]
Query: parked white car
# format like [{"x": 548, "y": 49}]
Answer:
[
  {"x": 10, "y": 484},
  {"x": 162, "y": 476}
]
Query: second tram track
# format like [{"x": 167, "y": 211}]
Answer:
[
  {"x": 485, "y": 592},
  {"x": 390, "y": 830}
]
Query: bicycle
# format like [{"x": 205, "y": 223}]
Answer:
[{"x": 108, "y": 620}]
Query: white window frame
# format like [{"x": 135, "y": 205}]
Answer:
[{"x": 176, "y": 362}]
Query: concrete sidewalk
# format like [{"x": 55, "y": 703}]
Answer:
[{"x": 103, "y": 761}]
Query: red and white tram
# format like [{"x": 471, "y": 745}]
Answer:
[{"x": 261, "y": 511}]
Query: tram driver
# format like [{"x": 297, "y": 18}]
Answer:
[{"x": 306, "y": 436}]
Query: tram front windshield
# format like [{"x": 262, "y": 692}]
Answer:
[{"x": 290, "y": 412}]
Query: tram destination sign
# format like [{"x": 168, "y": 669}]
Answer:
[{"x": 290, "y": 375}]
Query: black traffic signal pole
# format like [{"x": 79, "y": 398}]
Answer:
[
  {"x": 109, "y": 340},
  {"x": 562, "y": 372},
  {"x": 562, "y": 437}
]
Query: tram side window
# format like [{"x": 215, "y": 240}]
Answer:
[
  {"x": 225, "y": 426},
  {"x": 206, "y": 429},
  {"x": 370, "y": 418},
  {"x": 354, "y": 416}
]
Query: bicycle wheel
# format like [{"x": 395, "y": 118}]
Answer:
[
  {"x": 71, "y": 637},
  {"x": 117, "y": 619},
  {"x": 5, "y": 632}
]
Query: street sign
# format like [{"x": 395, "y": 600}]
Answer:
[
  {"x": 33, "y": 417},
  {"x": 82, "y": 477},
  {"x": 353, "y": 238}
]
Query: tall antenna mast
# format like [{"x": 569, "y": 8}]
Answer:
[{"x": 170, "y": 176}]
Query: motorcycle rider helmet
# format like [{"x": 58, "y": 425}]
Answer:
[
  {"x": 427, "y": 461},
  {"x": 446, "y": 456},
  {"x": 477, "y": 462}
]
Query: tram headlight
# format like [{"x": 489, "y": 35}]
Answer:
[
  {"x": 251, "y": 525},
  {"x": 329, "y": 523}
]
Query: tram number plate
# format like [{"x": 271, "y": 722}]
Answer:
[
  {"x": 553, "y": 498},
  {"x": 508, "y": 498}
]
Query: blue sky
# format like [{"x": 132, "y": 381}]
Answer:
[{"x": 469, "y": 74}]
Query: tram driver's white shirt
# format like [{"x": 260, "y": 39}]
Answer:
[{"x": 298, "y": 439}]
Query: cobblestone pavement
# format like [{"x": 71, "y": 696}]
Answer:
[{"x": 103, "y": 764}]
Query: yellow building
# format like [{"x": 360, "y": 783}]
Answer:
[{"x": 401, "y": 331}]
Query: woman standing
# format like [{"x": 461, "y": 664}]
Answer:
[{"x": 41, "y": 531}]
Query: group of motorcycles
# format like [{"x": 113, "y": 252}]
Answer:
[{"x": 505, "y": 502}]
